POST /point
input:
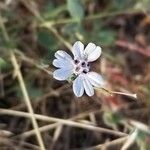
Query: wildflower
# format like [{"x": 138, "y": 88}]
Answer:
[{"x": 77, "y": 69}]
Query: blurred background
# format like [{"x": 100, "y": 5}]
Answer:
[{"x": 31, "y": 31}]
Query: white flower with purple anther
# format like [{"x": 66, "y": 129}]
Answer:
[{"x": 77, "y": 69}]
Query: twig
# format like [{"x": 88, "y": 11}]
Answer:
[
  {"x": 62, "y": 121},
  {"x": 44, "y": 128},
  {"x": 56, "y": 135},
  {"x": 133, "y": 47},
  {"x": 27, "y": 99},
  {"x": 41, "y": 129},
  {"x": 22, "y": 86},
  {"x": 49, "y": 27},
  {"x": 107, "y": 144},
  {"x": 51, "y": 92},
  {"x": 11, "y": 142},
  {"x": 31, "y": 61}
]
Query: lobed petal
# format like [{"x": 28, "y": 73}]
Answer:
[
  {"x": 89, "y": 48},
  {"x": 88, "y": 87},
  {"x": 78, "y": 87},
  {"x": 62, "y": 74},
  {"x": 62, "y": 55},
  {"x": 92, "y": 51},
  {"x": 59, "y": 63},
  {"x": 78, "y": 49},
  {"x": 95, "y": 79}
]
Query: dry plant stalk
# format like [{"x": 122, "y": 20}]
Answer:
[
  {"x": 27, "y": 99},
  {"x": 68, "y": 122}
]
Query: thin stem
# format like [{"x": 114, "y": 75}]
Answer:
[
  {"x": 14, "y": 142},
  {"x": 62, "y": 121},
  {"x": 56, "y": 12},
  {"x": 105, "y": 14},
  {"x": 22, "y": 86},
  {"x": 31, "y": 61},
  {"x": 27, "y": 100},
  {"x": 54, "y": 125},
  {"x": 91, "y": 17},
  {"x": 56, "y": 135},
  {"x": 126, "y": 94},
  {"x": 108, "y": 144},
  {"x": 118, "y": 93},
  {"x": 49, "y": 27}
]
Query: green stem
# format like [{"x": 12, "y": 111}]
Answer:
[
  {"x": 56, "y": 12},
  {"x": 91, "y": 17}
]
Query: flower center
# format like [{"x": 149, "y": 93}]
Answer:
[{"x": 81, "y": 66}]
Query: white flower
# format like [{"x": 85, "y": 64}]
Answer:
[{"x": 79, "y": 68}]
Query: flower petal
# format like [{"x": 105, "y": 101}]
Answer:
[
  {"x": 62, "y": 55},
  {"x": 77, "y": 49},
  {"x": 88, "y": 87},
  {"x": 89, "y": 48},
  {"x": 59, "y": 63},
  {"x": 92, "y": 51},
  {"x": 62, "y": 74},
  {"x": 78, "y": 87},
  {"x": 95, "y": 79}
]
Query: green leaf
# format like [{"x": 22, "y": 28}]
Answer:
[{"x": 75, "y": 9}]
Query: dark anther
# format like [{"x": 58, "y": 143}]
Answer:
[
  {"x": 84, "y": 71},
  {"x": 88, "y": 65},
  {"x": 83, "y": 64},
  {"x": 76, "y": 61}
]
